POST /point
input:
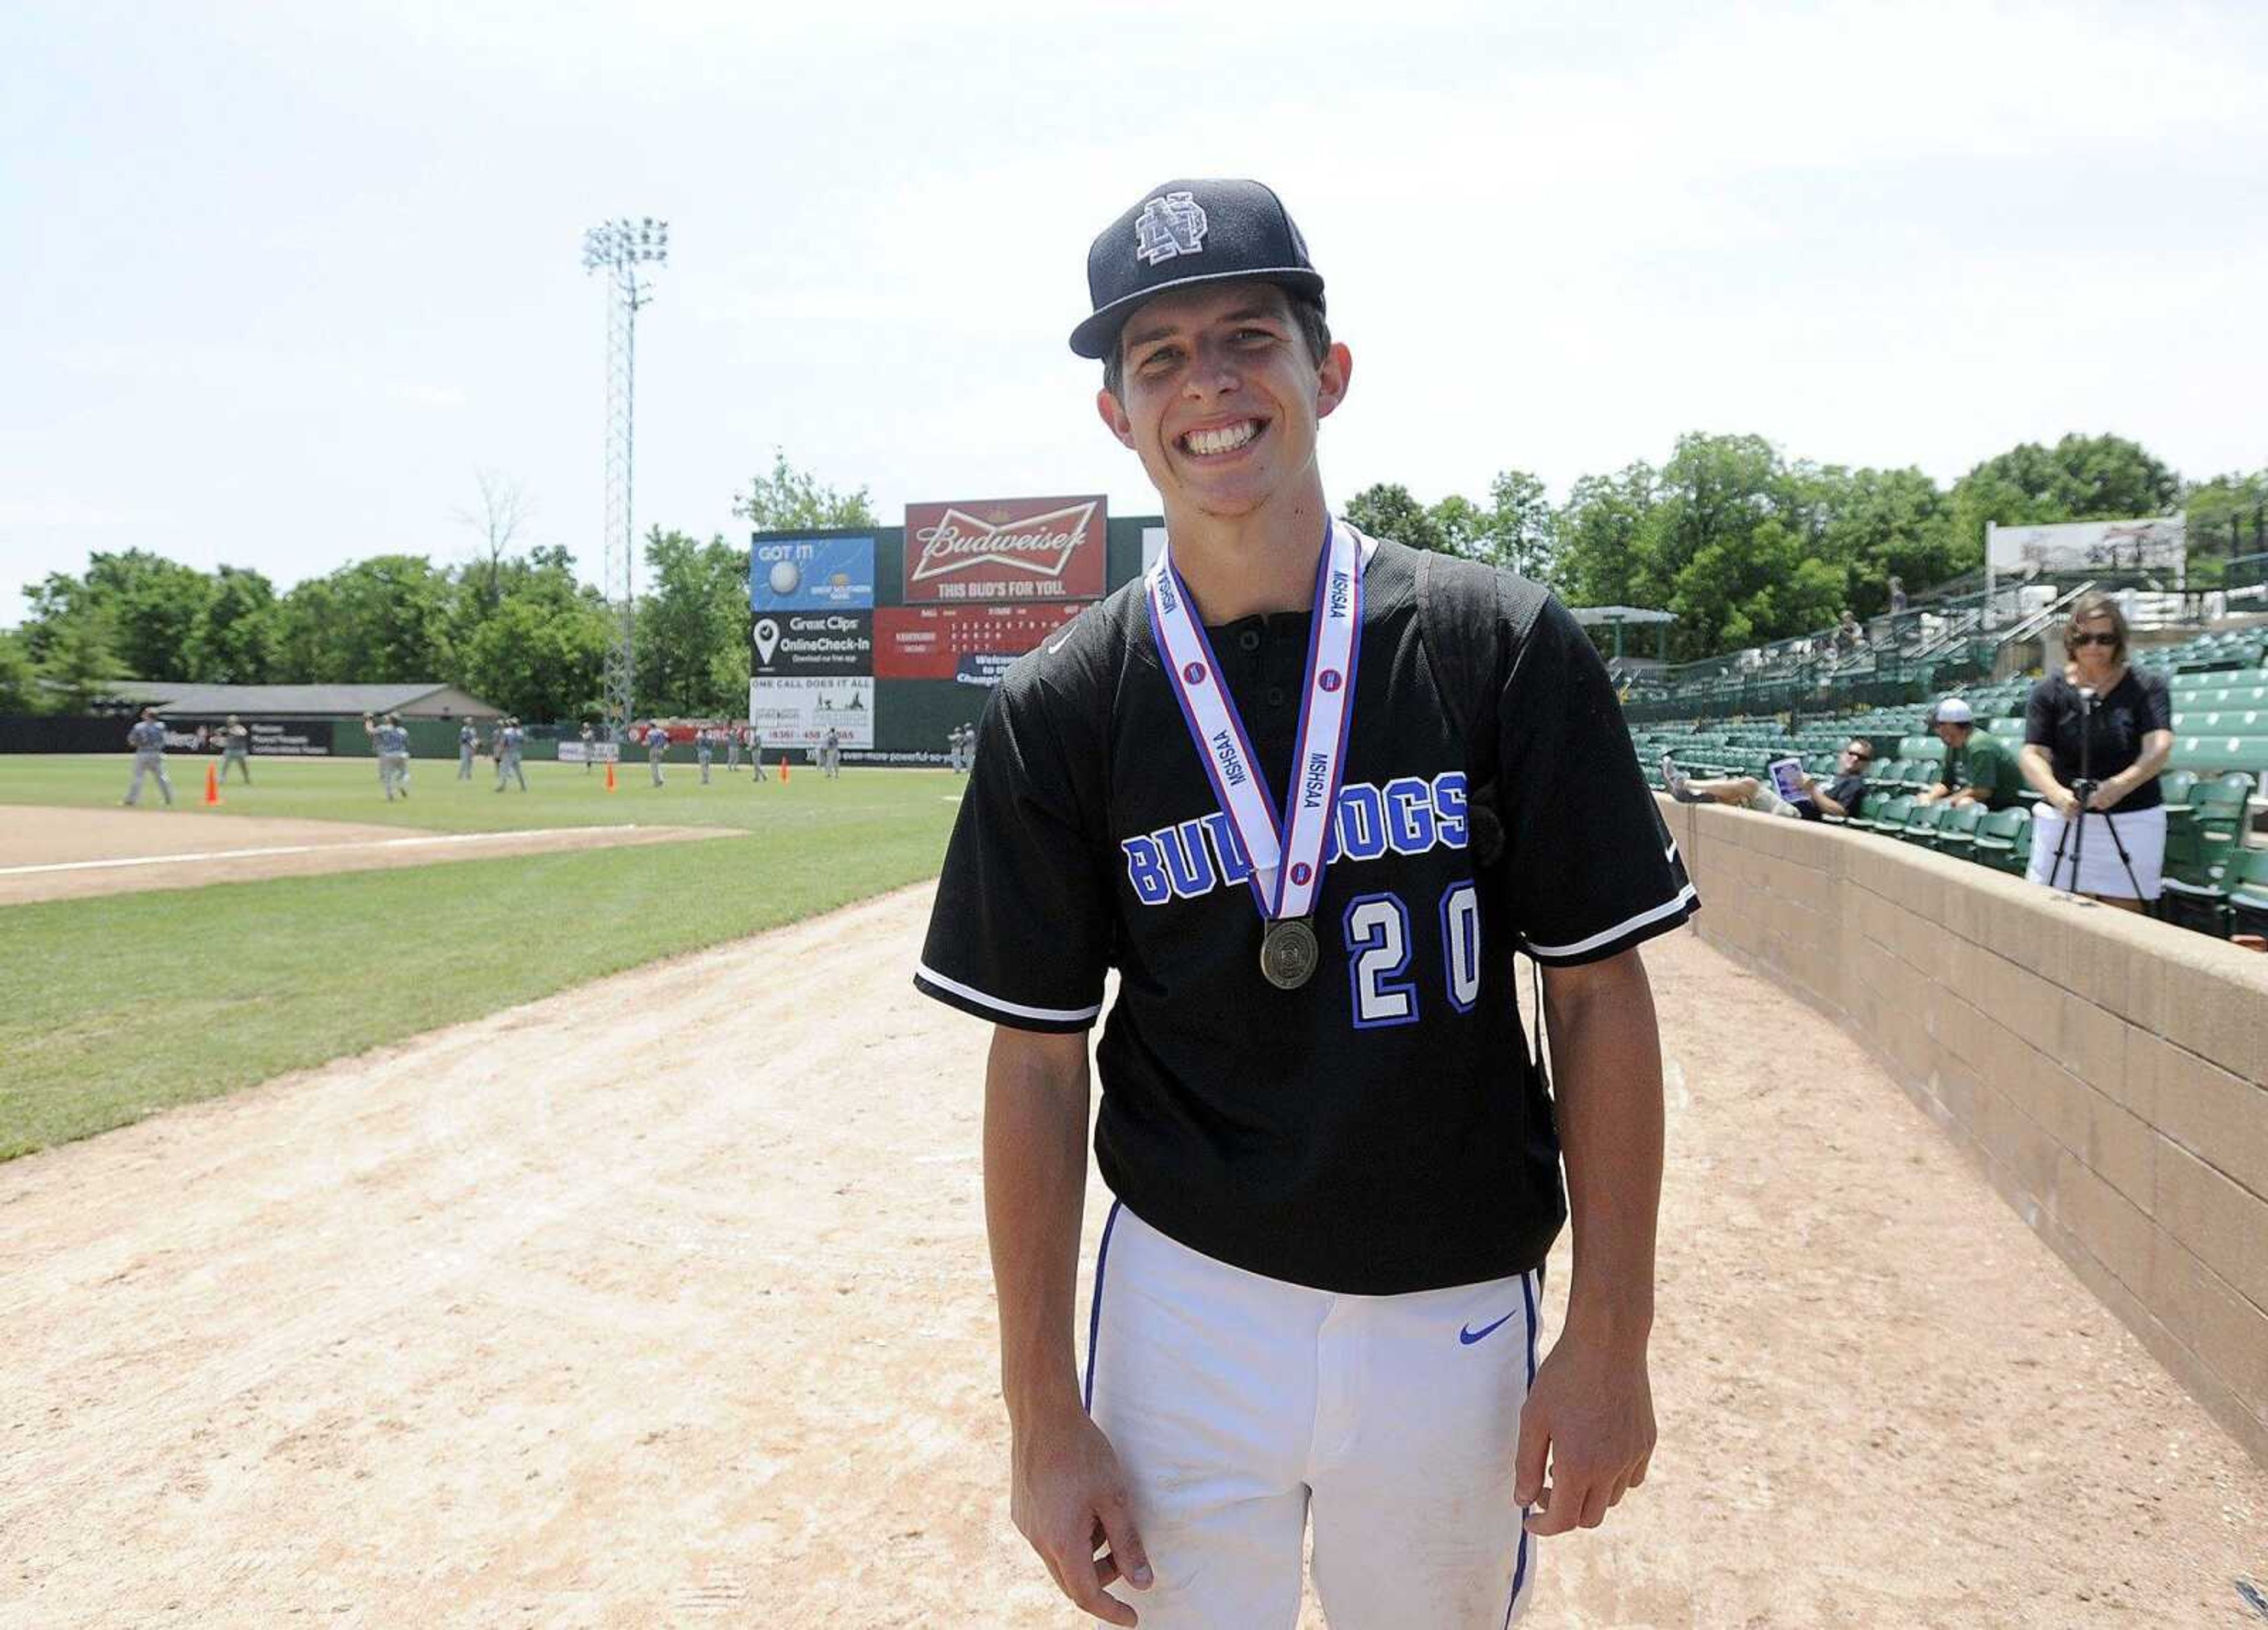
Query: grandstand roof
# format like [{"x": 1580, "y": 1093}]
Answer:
[
  {"x": 1587, "y": 614},
  {"x": 421, "y": 699}
]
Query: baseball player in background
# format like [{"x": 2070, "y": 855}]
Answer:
[
  {"x": 235, "y": 749},
  {"x": 703, "y": 751},
  {"x": 468, "y": 742},
  {"x": 147, "y": 739},
  {"x": 1336, "y": 1169},
  {"x": 756, "y": 752},
  {"x": 509, "y": 740},
  {"x": 732, "y": 747},
  {"x": 589, "y": 736},
  {"x": 391, "y": 743},
  {"x": 968, "y": 747},
  {"x": 657, "y": 746},
  {"x": 830, "y": 753}
]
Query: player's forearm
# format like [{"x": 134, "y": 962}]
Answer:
[
  {"x": 1606, "y": 1057},
  {"x": 1036, "y": 1094}
]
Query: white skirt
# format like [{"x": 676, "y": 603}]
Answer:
[{"x": 2099, "y": 869}]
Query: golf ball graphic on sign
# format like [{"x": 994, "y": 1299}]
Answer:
[{"x": 786, "y": 575}]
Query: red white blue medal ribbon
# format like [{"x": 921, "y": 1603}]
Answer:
[{"x": 1287, "y": 852}]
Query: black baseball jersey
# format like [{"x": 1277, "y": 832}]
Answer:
[{"x": 1380, "y": 1129}]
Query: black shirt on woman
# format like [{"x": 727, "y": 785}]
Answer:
[{"x": 2130, "y": 710}]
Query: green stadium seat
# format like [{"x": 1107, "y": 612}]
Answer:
[
  {"x": 2203, "y": 899},
  {"x": 2247, "y": 892},
  {"x": 2174, "y": 786},
  {"x": 2221, "y": 754},
  {"x": 1890, "y": 817},
  {"x": 1956, "y": 833},
  {"x": 2004, "y": 841},
  {"x": 1921, "y": 823}
]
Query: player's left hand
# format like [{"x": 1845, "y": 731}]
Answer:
[{"x": 1591, "y": 1412}]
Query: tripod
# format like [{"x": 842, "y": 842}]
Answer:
[{"x": 2084, "y": 790}]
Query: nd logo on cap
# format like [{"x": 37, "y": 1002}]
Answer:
[{"x": 1169, "y": 225}]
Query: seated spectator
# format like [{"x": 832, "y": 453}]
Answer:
[
  {"x": 1849, "y": 637},
  {"x": 1837, "y": 798},
  {"x": 2098, "y": 719},
  {"x": 1979, "y": 767},
  {"x": 1897, "y": 595}
]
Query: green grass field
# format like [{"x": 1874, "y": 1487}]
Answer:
[
  {"x": 346, "y": 789},
  {"x": 117, "y": 1006}
]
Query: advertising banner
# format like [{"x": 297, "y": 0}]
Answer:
[
  {"x": 298, "y": 738},
  {"x": 972, "y": 644},
  {"x": 1005, "y": 549},
  {"x": 578, "y": 752},
  {"x": 302, "y": 737},
  {"x": 811, "y": 574},
  {"x": 2159, "y": 543},
  {"x": 806, "y": 643},
  {"x": 799, "y": 711}
]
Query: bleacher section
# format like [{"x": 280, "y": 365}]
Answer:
[{"x": 2214, "y": 880}]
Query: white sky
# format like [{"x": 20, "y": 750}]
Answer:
[{"x": 280, "y": 278}]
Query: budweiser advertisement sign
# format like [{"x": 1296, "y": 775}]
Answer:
[{"x": 1002, "y": 550}]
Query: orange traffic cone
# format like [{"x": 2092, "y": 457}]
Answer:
[
  {"x": 783, "y": 769},
  {"x": 212, "y": 784},
  {"x": 610, "y": 775}
]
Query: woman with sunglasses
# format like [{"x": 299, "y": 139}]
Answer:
[{"x": 2109, "y": 722}]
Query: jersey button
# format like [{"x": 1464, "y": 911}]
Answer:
[
  {"x": 1249, "y": 640},
  {"x": 1275, "y": 696}
]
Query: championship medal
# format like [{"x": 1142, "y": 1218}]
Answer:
[
  {"x": 1286, "y": 851},
  {"x": 1288, "y": 952}
]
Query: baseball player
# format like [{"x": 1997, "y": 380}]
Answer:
[
  {"x": 731, "y": 733},
  {"x": 147, "y": 737},
  {"x": 1312, "y": 855},
  {"x": 657, "y": 746},
  {"x": 509, "y": 740},
  {"x": 589, "y": 736},
  {"x": 952, "y": 749},
  {"x": 830, "y": 753},
  {"x": 235, "y": 749},
  {"x": 757, "y": 753},
  {"x": 704, "y": 749},
  {"x": 468, "y": 740},
  {"x": 968, "y": 747},
  {"x": 391, "y": 743}
]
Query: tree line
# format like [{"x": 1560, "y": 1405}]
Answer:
[
  {"x": 1747, "y": 546},
  {"x": 1742, "y": 543},
  {"x": 512, "y": 625}
]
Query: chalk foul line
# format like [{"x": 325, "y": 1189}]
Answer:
[{"x": 424, "y": 840}]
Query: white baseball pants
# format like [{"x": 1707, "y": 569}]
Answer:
[{"x": 1242, "y": 1408}]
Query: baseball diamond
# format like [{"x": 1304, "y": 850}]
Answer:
[{"x": 512, "y": 1367}]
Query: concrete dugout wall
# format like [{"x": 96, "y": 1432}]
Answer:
[{"x": 2109, "y": 1073}]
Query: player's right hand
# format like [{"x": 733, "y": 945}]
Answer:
[{"x": 1069, "y": 1498}]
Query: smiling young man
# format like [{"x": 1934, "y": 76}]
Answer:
[{"x": 1307, "y": 793}]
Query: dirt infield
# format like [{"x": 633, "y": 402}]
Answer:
[
  {"x": 500, "y": 1327},
  {"x": 52, "y": 854}
]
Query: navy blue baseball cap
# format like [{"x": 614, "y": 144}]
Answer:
[{"x": 1185, "y": 233}]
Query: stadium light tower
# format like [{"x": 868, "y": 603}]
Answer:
[{"x": 619, "y": 248}]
